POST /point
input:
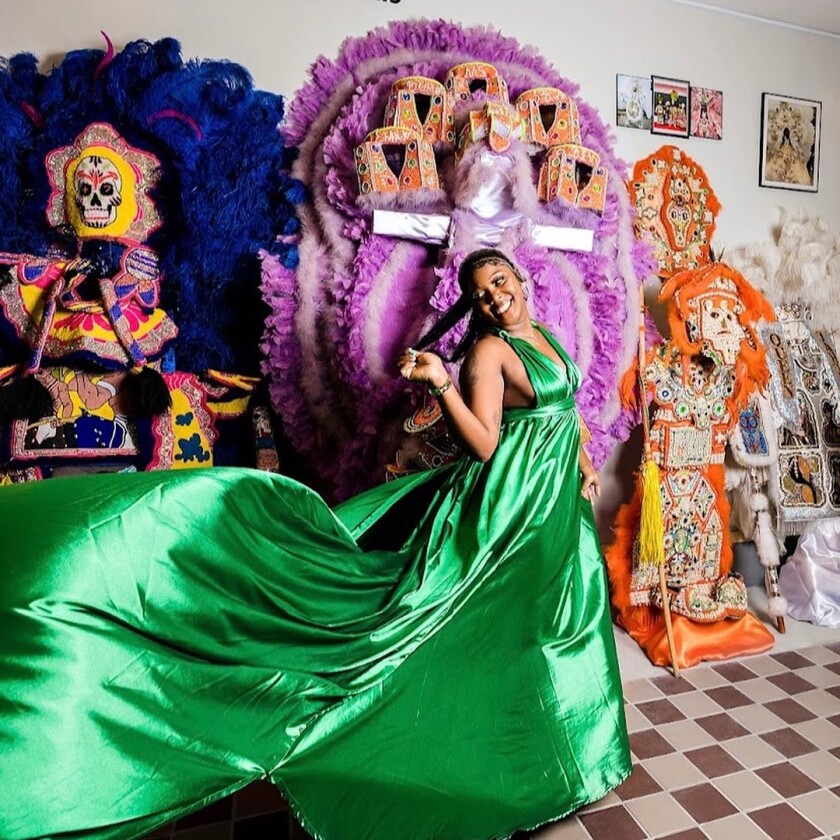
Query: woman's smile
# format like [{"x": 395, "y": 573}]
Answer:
[{"x": 499, "y": 309}]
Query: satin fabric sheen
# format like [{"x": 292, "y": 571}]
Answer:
[
  {"x": 433, "y": 659},
  {"x": 695, "y": 642},
  {"x": 810, "y": 578}
]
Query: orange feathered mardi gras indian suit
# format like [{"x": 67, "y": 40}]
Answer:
[{"x": 696, "y": 382}]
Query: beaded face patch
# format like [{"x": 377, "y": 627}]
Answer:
[
  {"x": 184, "y": 435},
  {"x": 807, "y": 476},
  {"x": 784, "y": 379},
  {"x": 693, "y": 540},
  {"x": 82, "y": 330},
  {"x": 676, "y": 209},
  {"x": 89, "y": 420},
  {"x": 752, "y": 433},
  {"x": 101, "y": 186}
]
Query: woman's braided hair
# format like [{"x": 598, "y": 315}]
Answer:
[{"x": 464, "y": 305}]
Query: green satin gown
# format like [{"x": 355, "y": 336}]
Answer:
[{"x": 432, "y": 659}]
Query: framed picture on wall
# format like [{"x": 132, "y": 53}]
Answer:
[
  {"x": 790, "y": 143},
  {"x": 706, "y": 113},
  {"x": 633, "y": 107},
  {"x": 670, "y": 106}
]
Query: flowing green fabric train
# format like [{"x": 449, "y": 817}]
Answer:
[{"x": 434, "y": 659}]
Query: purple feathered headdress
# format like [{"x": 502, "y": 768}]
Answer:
[{"x": 356, "y": 299}]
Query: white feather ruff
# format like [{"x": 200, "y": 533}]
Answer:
[
  {"x": 758, "y": 501},
  {"x": 766, "y": 545},
  {"x": 777, "y": 607}
]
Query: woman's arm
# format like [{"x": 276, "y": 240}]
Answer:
[{"x": 474, "y": 416}]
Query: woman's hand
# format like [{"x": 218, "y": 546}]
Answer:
[
  {"x": 422, "y": 367},
  {"x": 590, "y": 485},
  {"x": 590, "y": 481}
]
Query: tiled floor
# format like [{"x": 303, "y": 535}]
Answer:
[{"x": 734, "y": 751}]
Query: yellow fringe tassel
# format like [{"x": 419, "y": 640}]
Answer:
[{"x": 651, "y": 533}]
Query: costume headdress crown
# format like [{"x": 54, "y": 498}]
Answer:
[
  {"x": 550, "y": 117},
  {"x": 573, "y": 173},
  {"x": 720, "y": 287},
  {"x": 675, "y": 209},
  {"x": 421, "y": 104},
  {"x": 376, "y": 174},
  {"x": 463, "y": 80}
]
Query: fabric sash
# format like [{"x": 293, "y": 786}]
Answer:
[{"x": 512, "y": 415}]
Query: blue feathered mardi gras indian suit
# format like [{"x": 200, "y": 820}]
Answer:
[{"x": 137, "y": 189}]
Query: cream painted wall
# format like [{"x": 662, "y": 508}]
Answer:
[{"x": 278, "y": 39}]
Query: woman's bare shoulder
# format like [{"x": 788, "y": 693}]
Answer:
[
  {"x": 485, "y": 356},
  {"x": 487, "y": 348},
  {"x": 488, "y": 343}
]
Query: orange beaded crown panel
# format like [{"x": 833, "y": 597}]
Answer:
[
  {"x": 421, "y": 104},
  {"x": 395, "y": 159},
  {"x": 420, "y": 117},
  {"x": 574, "y": 174},
  {"x": 550, "y": 117},
  {"x": 676, "y": 209},
  {"x": 464, "y": 80}
]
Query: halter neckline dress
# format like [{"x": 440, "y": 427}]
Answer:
[{"x": 431, "y": 659}]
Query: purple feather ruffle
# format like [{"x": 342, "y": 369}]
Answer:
[{"x": 356, "y": 299}]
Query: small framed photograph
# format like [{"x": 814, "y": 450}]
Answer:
[
  {"x": 670, "y": 106},
  {"x": 706, "y": 113},
  {"x": 633, "y": 108},
  {"x": 790, "y": 143}
]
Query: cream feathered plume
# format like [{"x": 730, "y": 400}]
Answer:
[{"x": 802, "y": 265}]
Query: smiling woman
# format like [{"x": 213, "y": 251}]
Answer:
[
  {"x": 432, "y": 658},
  {"x": 492, "y": 377}
]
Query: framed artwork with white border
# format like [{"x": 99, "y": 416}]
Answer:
[{"x": 789, "y": 156}]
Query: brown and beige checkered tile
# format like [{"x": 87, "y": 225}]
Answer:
[
  {"x": 745, "y": 750},
  {"x": 735, "y": 751}
]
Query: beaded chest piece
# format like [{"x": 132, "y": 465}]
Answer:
[{"x": 698, "y": 382}]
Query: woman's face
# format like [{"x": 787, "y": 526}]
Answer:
[{"x": 497, "y": 295}]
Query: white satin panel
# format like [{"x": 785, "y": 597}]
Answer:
[
  {"x": 810, "y": 579},
  {"x": 433, "y": 229}
]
